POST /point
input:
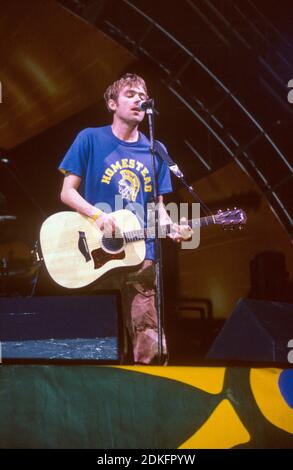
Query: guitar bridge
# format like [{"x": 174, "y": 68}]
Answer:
[{"x": 83, "y": 246}]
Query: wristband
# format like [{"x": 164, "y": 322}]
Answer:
[{"x": 97, "y": 215}]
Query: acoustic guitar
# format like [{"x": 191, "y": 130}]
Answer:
[{"x": 76, "y": 252}]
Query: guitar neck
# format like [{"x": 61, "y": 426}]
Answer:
[
  {"x": 202, "y": 221},
  {"x": 149, "y": 232}
]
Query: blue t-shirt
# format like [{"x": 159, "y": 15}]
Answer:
[{"x": 116, "y": 174}]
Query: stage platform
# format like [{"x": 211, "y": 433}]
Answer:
[{"x": 127, "y": 407}]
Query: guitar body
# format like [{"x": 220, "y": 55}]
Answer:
[{"x": 76, "y": 253}]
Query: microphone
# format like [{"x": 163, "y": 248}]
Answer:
[{"x": 148, "y": 104}]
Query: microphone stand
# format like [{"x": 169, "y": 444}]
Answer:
[
  {"x": 156, "y": 148},
  {"x": 158, "y": 250}
]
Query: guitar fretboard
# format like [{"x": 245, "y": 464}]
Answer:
[{"x": 142, "y": 234}]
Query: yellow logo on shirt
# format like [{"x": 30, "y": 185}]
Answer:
[
  {"x": 128, "y": 185},
  {"x": 128, "y": 178}
]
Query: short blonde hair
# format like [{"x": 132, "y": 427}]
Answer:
[{"x": 129, "y": 79}]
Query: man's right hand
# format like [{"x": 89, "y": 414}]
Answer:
[{"x": 107, "y": 223}]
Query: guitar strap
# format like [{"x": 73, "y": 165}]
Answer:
[{"x": 161, "y": 152}]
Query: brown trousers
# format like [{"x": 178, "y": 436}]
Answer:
[{"x": 139, "y": 312}]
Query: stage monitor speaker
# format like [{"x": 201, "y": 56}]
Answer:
[
  {"x": 256, "y": 331},
  {"x": 61, "y": 328}
]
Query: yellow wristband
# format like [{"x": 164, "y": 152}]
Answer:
[{"x": 97, "y": 215}]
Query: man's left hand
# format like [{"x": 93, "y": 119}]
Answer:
[{"x": 180, "y": 232}]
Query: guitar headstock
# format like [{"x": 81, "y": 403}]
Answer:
[{"x": 231, "y": 218}]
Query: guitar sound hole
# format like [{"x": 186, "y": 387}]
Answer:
[{"x": 112, "y": 244}]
